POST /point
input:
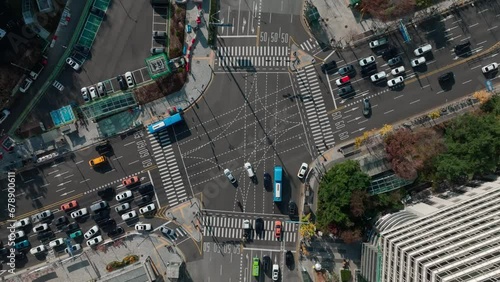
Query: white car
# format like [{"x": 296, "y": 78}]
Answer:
[
  {"x": 4, "y": 114},
  {"x": 26, "y": 84},
  {"x": 422, "y": 49},
  {"x": 19, "y": 234},
  {"x": 229, "y": 175},
  {"x": 398, "y": 71},
  {"x": 302, "y": 170},
  {"x": 56, "y": 242},
  {"x": 248, "y": 167},
  {"x": 170, "y": 233},
  {"x": 123, "y": 207},
  {"x": 123, "y": 196},
  {"x": 79, "y": 213},
  {"x": 366, "y": 61},
  {"x": 72, "y": 63},
  {"x": 92, "y": 232},
  {"x": 94, "y": 241},
  {"x": 85, "y": 94},
  {"x": 149, "y": 208},
  {"x": 276, "y": 272},
  {"x": 22, "y": 223},
  {"x": 38, "y": 249},
  {"x": 395, "y": 81},
  {"x": 129, "y": 215},
  {"x": 143, "y": 227},
  {"x": 43, "y": 215},
  {"x": 490, "y": 67},
  {"x": 130, "y": 79},
  {"x": 93, "y": 92},
  {"x": 378, "y": 76},
  {"x": 417, "y": 62},
  {"x": 74, "y": 248}
]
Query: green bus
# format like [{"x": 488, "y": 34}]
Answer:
[{"x": 256, "y": 267}]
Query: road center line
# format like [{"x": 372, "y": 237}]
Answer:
[
  {"x": 397, "y": 97},
  {"x": 79, "y": 162},
  {"x": 130, "y": 143},
  {"x": 473, "y": 25},
  {"x": 388, "y": 112},
  {"x": 84, "y": 180},
  {"x": 465, "y": 82},
  {"x": 61, "y": 189},
  {"x": 416, "y": 101},
  {"x": 53, "y": 172},
  {"x": 133, "y": 162},
  {"x": 29, "y": 180},
  {"x": 491, "y": 28}
]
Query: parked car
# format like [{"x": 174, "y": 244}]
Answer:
[
  {"x": 146, "y": 209},
  {"x": 379, "y": 42},
  {"x": 57, "y": 242},
  {"x": 395, "y": 61},
  {"x": 101, "y": 216},
  {"x": 122, "y": 207},
  {"x": 4, "y": 114},
  {"x": 463, "y": 49},
  {"x": 38, "y": 249},
  {"x": 229, "y": 175},
  {"x": 367, "y": 61},
  {"x": 101, "y": 89},
  {"x": 130, "y": 79},
  {"x": 395, "y": 81},
  {"x": 302, "y": 170},
  {"x": 157, "y": 50},
  {"x": 99, "y": 206},
  {"x": 369, "y": 70},
  {"x": 422, "y": 49},
  {"x": 346, "y": 70},
  {"x": 143, "y": 227},
  {"x": 328, "y": 67},
  {"x": 76, "y": 234},
  {"x": 144, "y": 200},
  {"x": 22, "y": 245},
  {"x": 389, "y": 52},
  {"x": 94, "y": 241},
  {"x": 92, "y": 232},
  {"x": 378, "y": 76},
  {"x": 345, "y": 90},
  {"x": 108, "y": 224},
  {"x": 116, "y": 232},
  {"x": 106, "y": 193},
  {"x": 45, "y": 235},
  {"x": 342, "y": 80},
  {"x": 79, "y": 213},
  {"x": 170, "y": 233},
  {"x": 25, "y": 85},
  {"x": 69, "y": 206},
  {"x": 417, "y": 62},
  {"x": 93, "y": 93},
  {"x": 19, "y": 234},
  {"x": 22, "y": 223},
  {"x": 74, "y": 248},
  {"x": 398, "y": 71},
  {"x": 129, "y": 215},
  {"x": 124, "y": 196},
  {"x": 61, "y": 221},
  {"x": 72, "y": 63},
  {"x": 42, "y": 215},
  {"x": 85, "y": 94},
  {"x": 145, "y": 189},
  {"x": 130, "y": 181},
  {"x": 159, "y": 34},
  {"x": 121, "y": 82},
  {"x": 71, "y": 227}
]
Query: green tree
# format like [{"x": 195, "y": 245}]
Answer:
[
  {"x": 492, "y": 106},
  {"x": 335, "y": 193}
]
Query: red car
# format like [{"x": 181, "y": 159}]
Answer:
[
  {"x": 69, "y": 206},
  {"x": 343, "y": 80},
  {"x": 277, "y": 229},
  {"x": 130, "y": 181}
]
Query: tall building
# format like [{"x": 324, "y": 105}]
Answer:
[{"x": 449, "y": 237}]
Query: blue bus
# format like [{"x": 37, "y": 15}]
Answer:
[
  {"x": 164, "y": 124},
  {"x": 278, "y": 174}
]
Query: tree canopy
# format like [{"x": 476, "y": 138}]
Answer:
[{"x": 335, "y": 195}]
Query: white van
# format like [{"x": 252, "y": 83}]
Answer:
[{"x": 249, "y": 169}]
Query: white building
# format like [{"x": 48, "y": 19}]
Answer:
[{"x": 446, "y": 238}]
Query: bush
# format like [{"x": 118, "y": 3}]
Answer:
[{"x": 345, "y": 275}]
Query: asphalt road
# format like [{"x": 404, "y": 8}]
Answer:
[{"x": 421, "y": 91}]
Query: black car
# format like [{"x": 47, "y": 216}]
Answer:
[
  {"x": 106, "y": 193},
  {"x": 259, "y": 225},
  {"x": 395, "y": 61},
  {"x": 61, "y": 221},
  {"x": 146, "y": 189},
  {"x": 71, "y": 227},
  {"x": 390, "y": 52},
  {"x": 45, "y": 235},
  {"x": 289, "y": 258},
  {"x": 463, "y": 49},
  {"x": 146, "y": 199},
  {"x": 268, "y": 183},
  {"x": 266, "y": 263},
  {"x": 108, "y": 224},
  {"x": 101, "y": 216},
  {"x": 329, "y": 67},
  {"x": 446, "y": 77},
  {"x": 98, "y": 12},
  {"x": 116, "y": 232},
  {"x": 103, "y": 148},
  {"x": 346, "y": 90},
  {"x": 347, "y": 70},
  {"x": 82, "y": 49},
  {"x": 292, "y": 208},
  {"x": 121, "y": 82},
  {"x": 369, "y": 70}
]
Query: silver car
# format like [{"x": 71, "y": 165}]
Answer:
[
  {"x": 130, "y": 79},
  {"x": 101, "y": 89},
  {"x": 229, "y": 175}
]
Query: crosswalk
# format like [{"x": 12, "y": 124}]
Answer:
[
  {"x": 168, "y": 168},
  {"x": 253, "y": 56},
  {"x": 229, "y": 227},
  {"x": 317, "y": 117},
  {"x": 310, "y": 45}
]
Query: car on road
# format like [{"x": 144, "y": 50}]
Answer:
[
  {"x": 106, "y": 193},
  {"x": 398, "y": 71},
  {"x": 144, "y": 200},
  {"x": 42, "y": 215},
  {"x": 292, "y": 208},
  {"x": 56, "y": 242},
  {"x": 143, "y": 227},
  {"x": 446, "y": 77},
  {"x": 367, "y": 107},
  {"x": 343, "y": 80},
  {"x": 121, "y": 82},
  {"x": 345, "y": 90},
  {"x": 38, "y": 249},
  {"x": 69, "y": 206},
  {"x": 94, "y": 241},
  {"x": 74, "y": 248},
  {"x": 328, "y": 67},
  {"x": 266, "y": 263},
  {"x": 277, "y": 229},
  {"x": 61, "y": 221},
  {"x": 346, "y": 70},
  {"x": 422, "y": 49},
  {"x": 147, "y": 209},
  {"x": 395, "y": 81},
  {"x": 130, "y": 79},
  {"x": 116, "y": 232},
  {"x": 4, "y": 114},
  {"x": 259, "y": 225},
  {"x": 395, "y": 61},
  {"x": 124, "y": 196},
  {"x": 130, "y": 181},
  {"x": 417, "y": 62},
  {"x": 275, "y": 272},
  {"x": 268, "y": 182},
  {"x": 101, "y": 89},
  {"x": 289, "y": 258},
  {"x": 93, "y": 93},
  {"x": 489, "y": 68},
  {"x": 79, "y": 213},
  {"x": 229, "y": 175},
  {"x": 367, "y": 61},
  {"x": 122, "y": 207},
  {"x": 377, "y": 43},
  {"x": 302, "y": 170},
  {"x": 129, "y": 215},
  {"x": 22, "y": 223},
  {"x": 249, "y": 169},
  {"x": 19, "y": 234},
  {"x": 99, "y": 206},
  {"x": 170, "y": 233},
  {"x": 25, "y": 85},
  {"x": 92, "y": 232},
  {"x": 378, "y": 76},
  {"x": 70, "y": 61}
]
